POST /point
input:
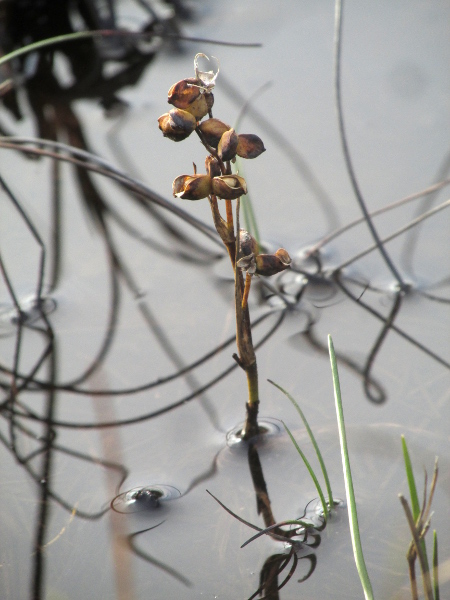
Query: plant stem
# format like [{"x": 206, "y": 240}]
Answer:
[
  {"x": 247, "y": 358},
  {"x": 248, "y": 281},
  {"x": 435, "y": 567},
  {"x": 428, "y": 589},
  {"x": 229, "y": 209},
  {"x": 244, "y": 344},
  {"x": 222, "y": 227},
  {"x": 349, "y": 491}
]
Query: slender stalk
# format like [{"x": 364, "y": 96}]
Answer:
[
  {"x": 392, "y": 236},
  {"x": 310, "y": 471},
  {"x": 229, "y": 209},
  {"x": 246, "y": 353},
  {"x": 415, "y": 504},
  {"x": 435, "y": 567},
  {"x": 411, "y": 556},
  {"x": 337, "y": 83},
  {"x": 428, "y": 590},
  {"x": 313, "y": 440},
  {"x": 337, "y": 232},
  {"x": 349, "y": 491},
  {"x": 247, "y": 357},
  {"x": 248, "y": 281}
]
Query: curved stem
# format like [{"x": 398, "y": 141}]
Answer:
[{"x": 345, "y": 148}]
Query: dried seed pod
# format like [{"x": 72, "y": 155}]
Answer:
[
  {"x": 177, "y": 124},
  {"x": 192, "y": 187},
  {"x": 213, "y": 129},
  {"x": 249, "y": 146},
  {"x": 184, "y": 92},
  {"x": 229, "y": 186},
  {"x": 201, "y": 107},
  {"x": 190, "y": 95},
  {"x": 283, "y": 255},
  {"x": 228, "y": 145},
  {"x": 247, "y": 263},
  {"x": 247, "y": 243},
  {"x": 270, "y": 264},
  {"x": 212, "y": 166}
]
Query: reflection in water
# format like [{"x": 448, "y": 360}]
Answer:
[
  {"x": 27, "y": 321},
  {"x": 152, "y": 560},
  {"x": 301, "y": 534}
]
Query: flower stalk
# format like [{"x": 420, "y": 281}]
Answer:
[{"x": 192, "y": 100}]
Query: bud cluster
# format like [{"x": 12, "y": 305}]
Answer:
[{"x": 192, "y": 99}]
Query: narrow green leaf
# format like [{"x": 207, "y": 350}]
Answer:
[
  {"x": 352, "y": 513},
  {"x": 67, "y": 37},
  {"x": 247, "y": 206},
  {"x": 435, "y": 567},
  {"x": 313, "y": 440},
  {"x": 310, "y": 471},
  {"x": 415, "y": 505}
]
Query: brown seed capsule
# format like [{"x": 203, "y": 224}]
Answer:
[
  {"x": 247, "y": 243},
  {"x": 190, "y": 95},
  {"x": 213, "y": 129},
  {"x": 229, "y": 186},
  {"x": 270, "y": 264},
  {"x": 283, "y": 255},
  {"x": 201, "y": 107},
  {"x": 247, "y": 263},
  {"x": 249, "y": 146},
  {"x": 192, "y": 187},
  {"x": 228, "y": 145},
  {"x": 184, "y": 92},
  {"x": 212, "y": 166},
  {"x": 177, "y": 124}
]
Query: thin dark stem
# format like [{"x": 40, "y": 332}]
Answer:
[
  {"x": 402, "y": 333},
  {"x": 432, "y": 189},
  {"x": 45, "y": 484},
  {"x": 378, "y": 343},
  {"x": 345, "y": 148},
  {"x": 139, "y": 419}
]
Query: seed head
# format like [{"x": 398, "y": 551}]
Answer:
[
  {"x": 228, "y": 145},
  {"x": 212, "y": 130},
  {"x": 192, "y": 187},
  {"x": 212, "y": 166},
  {"x": 260, "y": 264},
  {"x": 188, "y": 94},
  {"x": 249, "y": 146},
  {"x": 229, "y": 186},
  {"x": 247, "y": 243},
  {"x": 271, "y": 264},
  {"x": 177, "y": 124}
]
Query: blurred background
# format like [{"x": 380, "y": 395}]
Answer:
[{"x": 116, "y": 299}]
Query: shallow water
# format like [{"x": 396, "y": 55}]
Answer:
[{"x": 176, "y": 305}]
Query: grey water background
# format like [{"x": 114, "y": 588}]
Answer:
[{"x": 395, "y": 87}]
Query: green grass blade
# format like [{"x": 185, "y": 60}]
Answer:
[
  {"x": 352, "y": 514},
  {"x": 313, "y": 440},
  {"x": 67, "y": 37},
  {"x": 247, "y": 207},
  {"x": 310, "y": 471},
  {"x": 435, "y": 567},
  {"x": 415, "y": 505}
]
